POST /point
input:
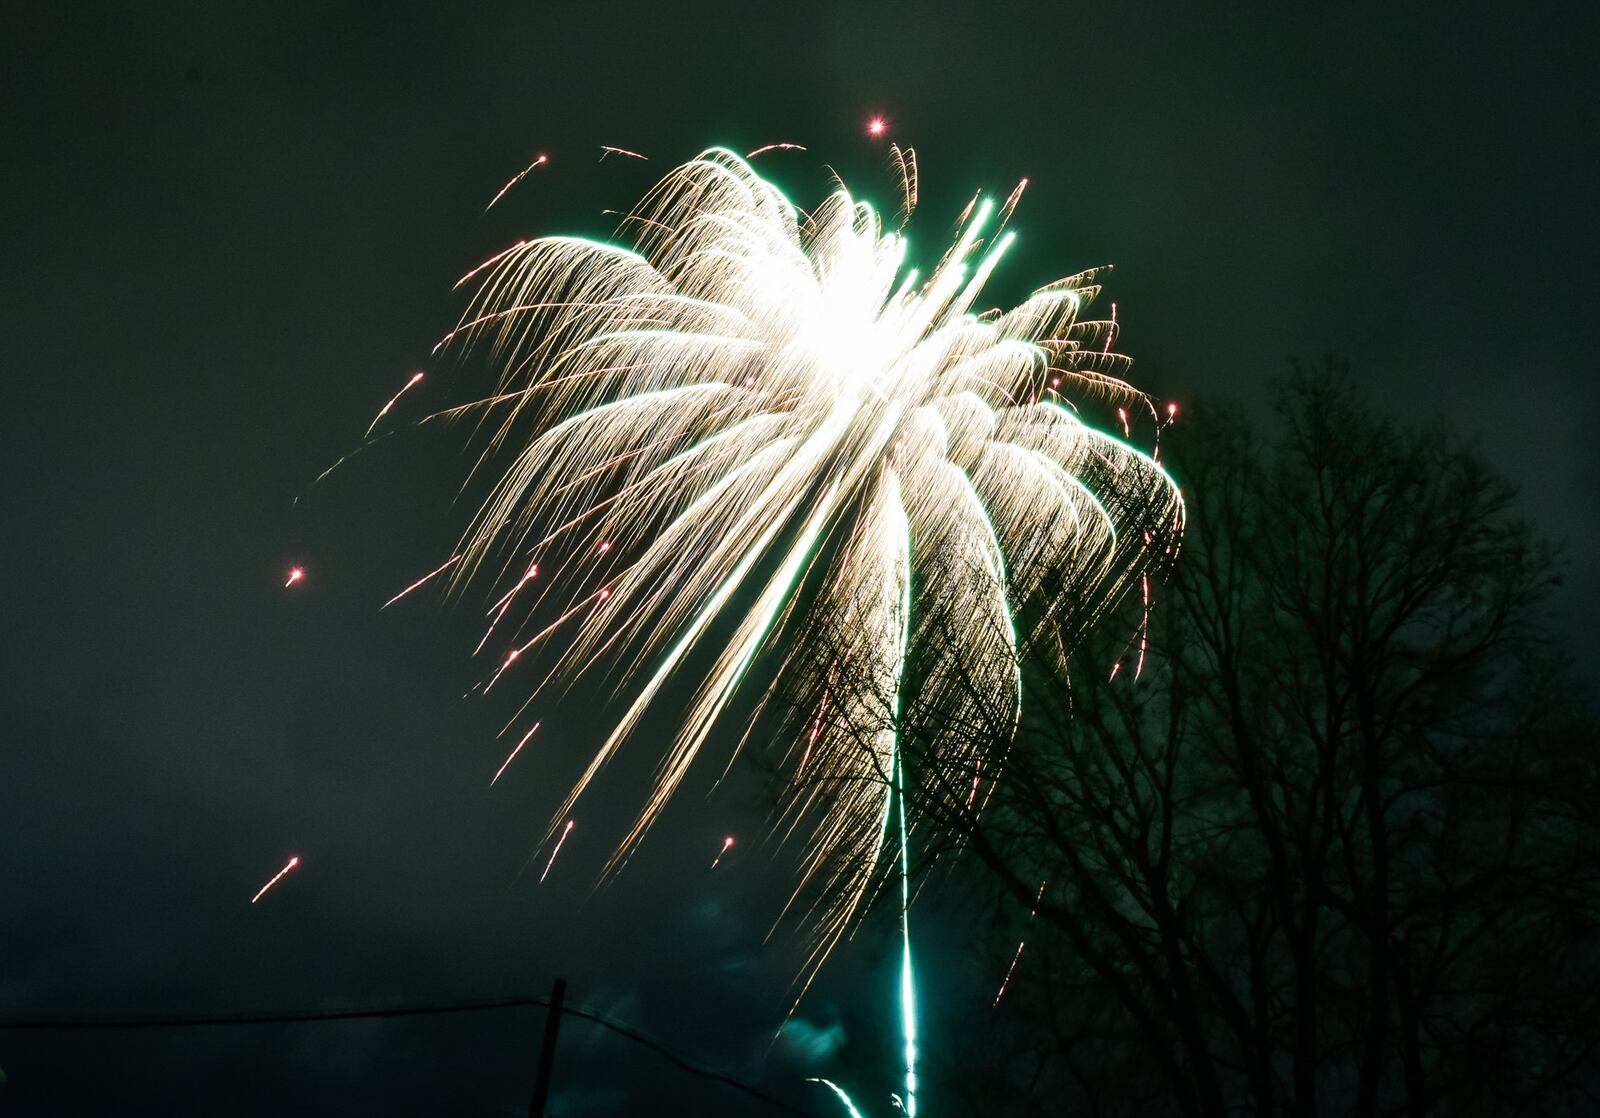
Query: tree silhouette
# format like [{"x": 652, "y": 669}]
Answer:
[{"x": 1322, "y": 842}]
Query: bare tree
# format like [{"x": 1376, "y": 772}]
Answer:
[{"x": 1319, "y": 839}]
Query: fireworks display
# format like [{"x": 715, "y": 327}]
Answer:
[
  {"x": 762, "y": 406},
  {"x": 754, "y": 442},
  {"x": 762, "y": 417}
]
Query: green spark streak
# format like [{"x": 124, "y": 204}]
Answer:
[
  {"x": 897, "y": 806},
  {"x": 908, "y": 993},
  {"x": 844, "y": 1098}
]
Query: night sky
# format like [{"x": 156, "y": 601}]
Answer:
[{"x": 229, "y": 235}]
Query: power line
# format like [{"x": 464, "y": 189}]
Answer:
[
  {"x": 206, "y": 1020},
  {"x": 291, "y": 1017},
  {"x": 660, "y": 1050}
]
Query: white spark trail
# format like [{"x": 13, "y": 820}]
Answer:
[
  {"x": 277, "y": 877},
  {"x": 513, "y": 754},
  {"x": 423, "y": 581}
]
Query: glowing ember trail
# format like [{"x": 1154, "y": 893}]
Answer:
[
  {"x": 489, "y": 263},
  {"x": 383, "y": 411},
  {"x": 1144, "y": 625},
  {"x": 764, "y": 148},
  {"x": 607, "y": 149},
  {"x": 509, "y": 759},
  {"x": 518, "y": 177},
  {"x": 1006, "y": 981},
  {"x": 727, "y": 845},
  {"x": 528, "y": 576},
  {"x": 422, "y": 581},
  {"x": 498, "y": 610},
  {"x": 295, "y": 575},
  {"x": 564, "y": 833},
  {"x": 277, "y": 877},
  {"x": 1011, "y": 203}
]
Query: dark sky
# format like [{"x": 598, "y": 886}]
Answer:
[{"x": 229, "y": 233}]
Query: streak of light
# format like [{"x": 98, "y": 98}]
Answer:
[
  {"x": 816, "y": 727},
  {"x": 567, "y": 830},
  {"x": 498, "y": 610},
  {"x": 764, "y": 148},
  {"x": 489, "y": 263},
  {"x": 1010, "y": 205},
  {"x": 905, "y": 161},
  {"x": 849, "y": 1104},
  {"x": 607, "y": 149},
  {"x": 531, "y": 573},
  {"x": 383, "y": 411},
  {"x": 908, "y": 989},
  {"x": 518, "y": 177},
  {"x": 727, "y": 845},
  {"x": 512, "y": 755},
  {"x": 277, "y": 877},
  {"x": 511, "y": 657},
  {"x": 448, "y": 563},
  {"x": 1144, "y": 624},
  {"x": 323, "y": 476},
  {"x": 626, "y": 217},
  {"x": 1020, "y": 945},
  {"x": 296, "y": 574}
]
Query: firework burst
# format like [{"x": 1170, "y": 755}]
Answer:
[{"x": 752, "y": 445}]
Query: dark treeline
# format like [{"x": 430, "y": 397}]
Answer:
[{"x": 1331, "y": 850}]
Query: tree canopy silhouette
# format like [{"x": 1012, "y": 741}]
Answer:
[{"x": 1328, "y": 848}]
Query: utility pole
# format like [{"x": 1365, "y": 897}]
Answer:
[{"x": 547, "y": 1051}]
